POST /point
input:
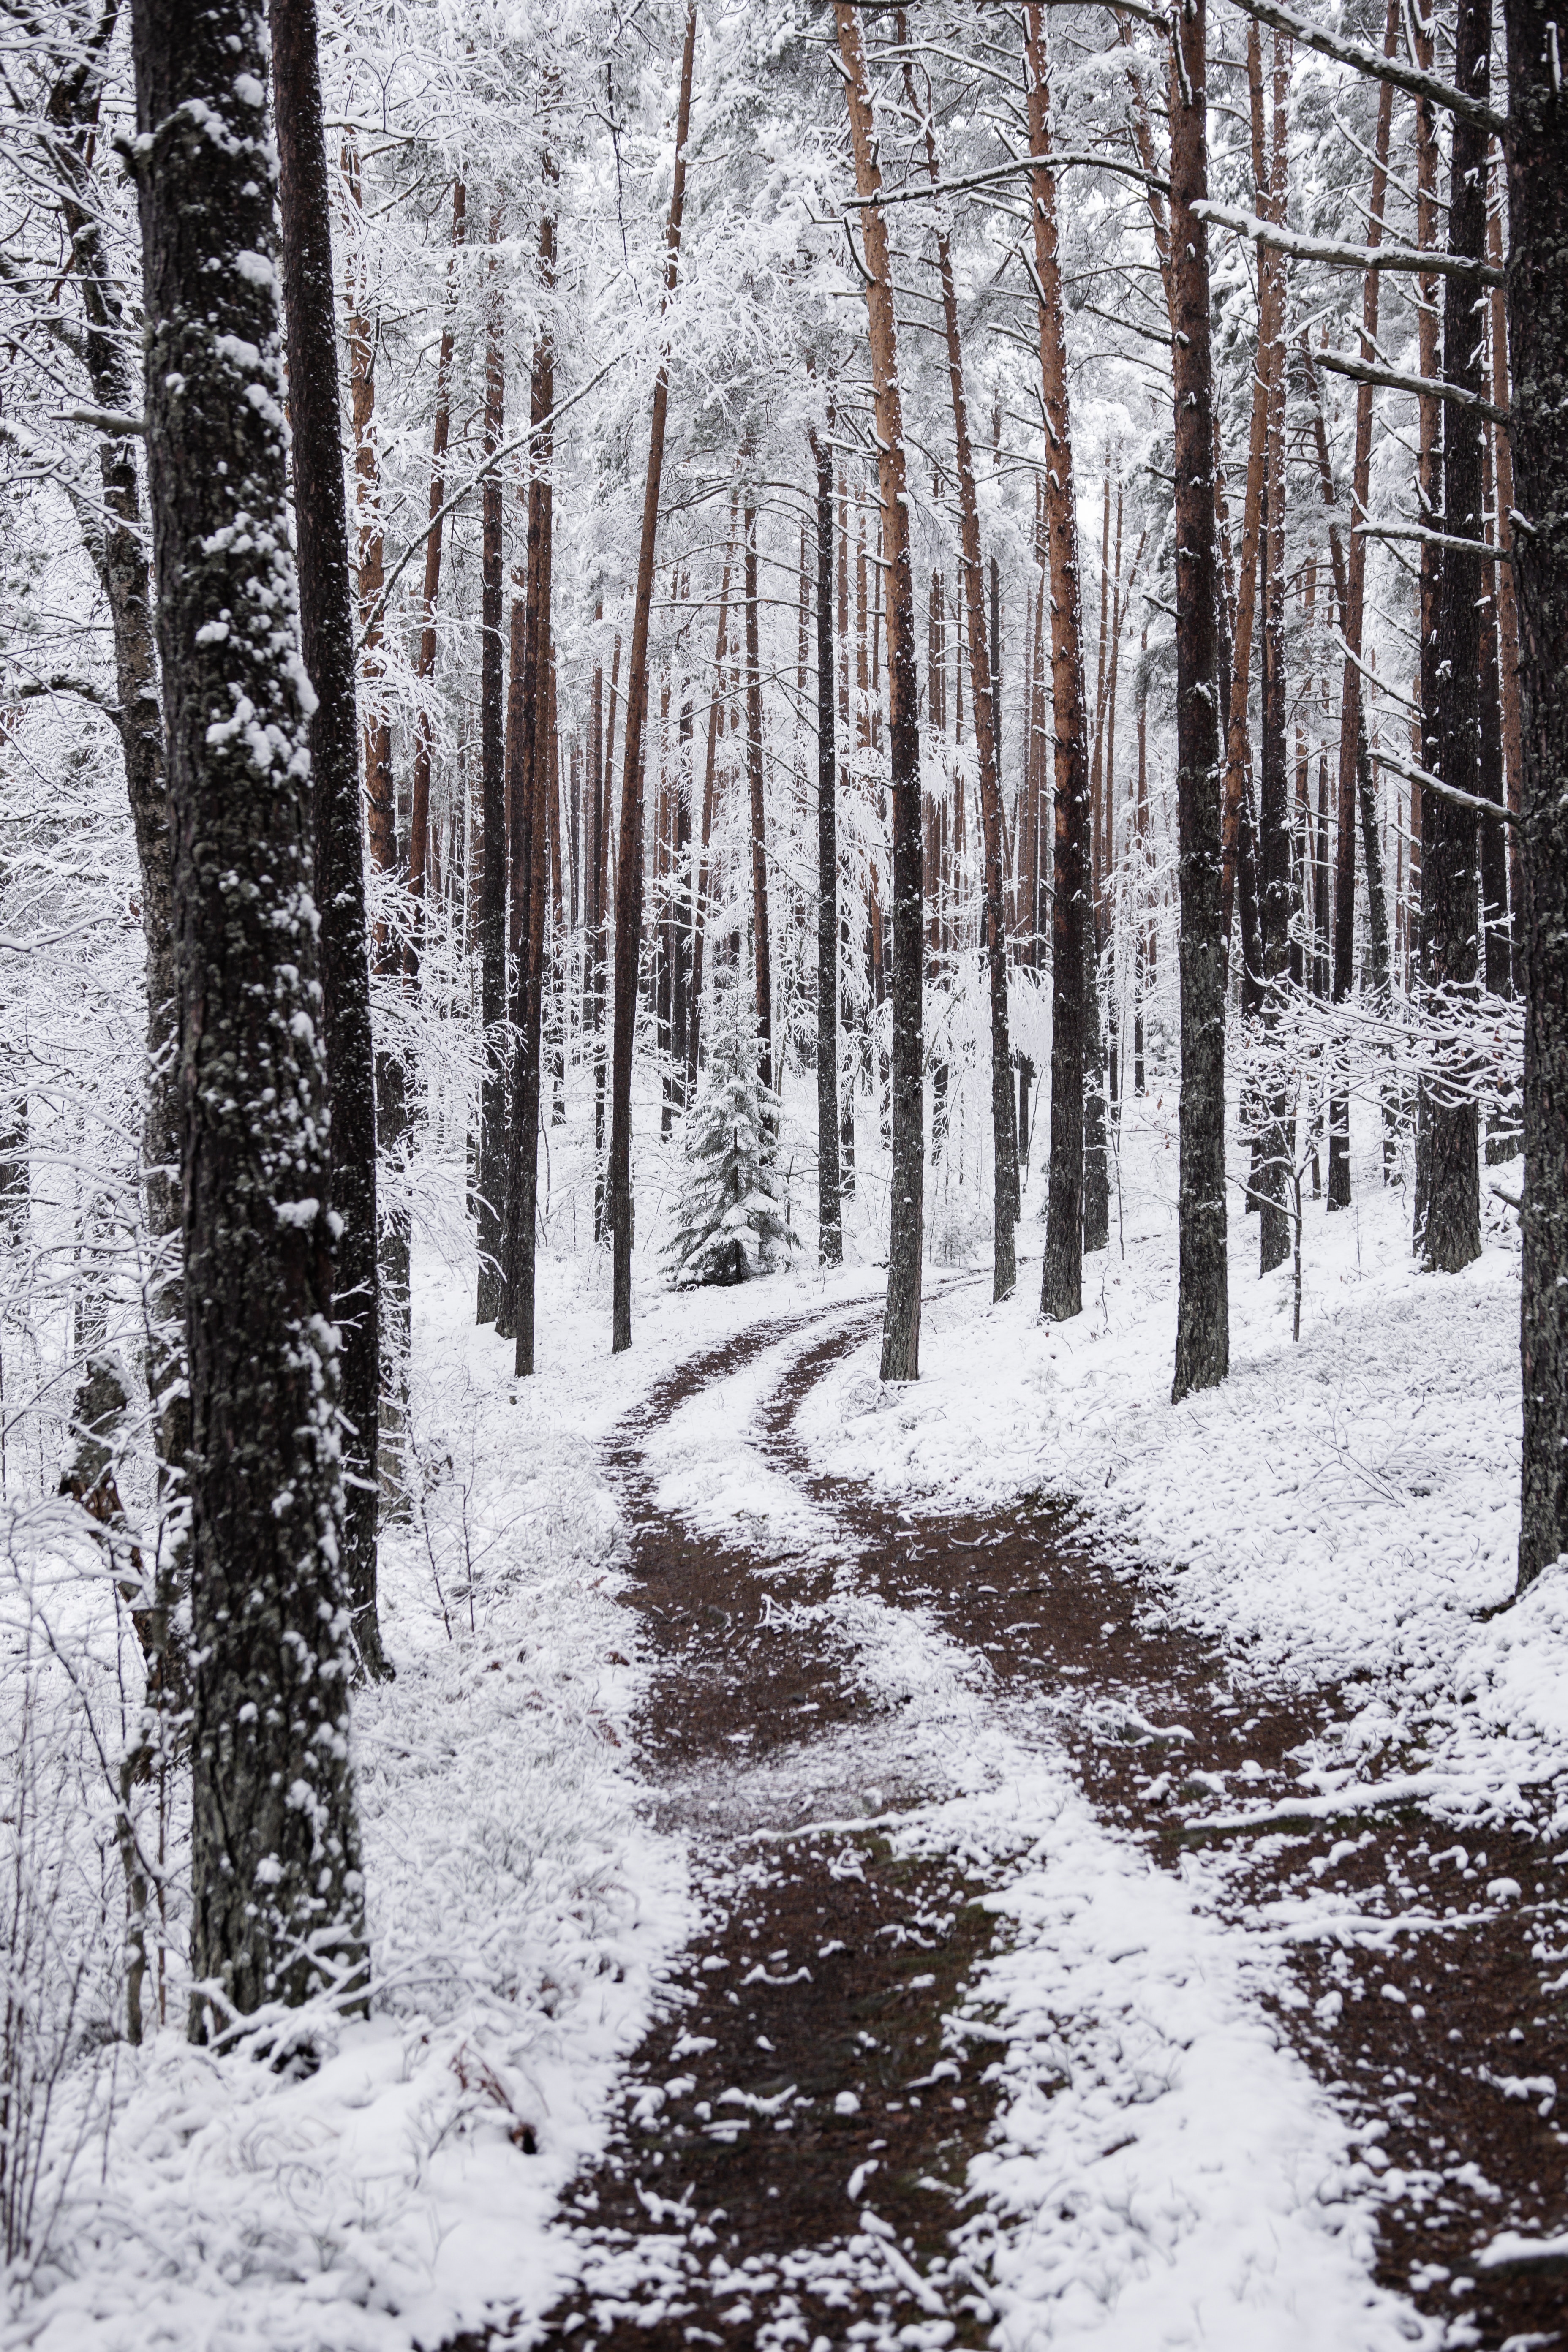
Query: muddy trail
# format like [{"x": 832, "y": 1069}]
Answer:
[{"x": 789, "y": 2162}]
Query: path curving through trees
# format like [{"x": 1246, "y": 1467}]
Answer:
[{"x": 791, "y": 2160}]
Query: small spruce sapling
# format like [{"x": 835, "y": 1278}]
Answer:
[{"x": 730, "y": 1223}]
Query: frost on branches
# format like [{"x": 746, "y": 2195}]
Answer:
[{"x": 730, "y": 1222}]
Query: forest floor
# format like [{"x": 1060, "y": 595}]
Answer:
[
  {"x": 999, "y": 2025},
  {"x": 1001, "y": 1860}
]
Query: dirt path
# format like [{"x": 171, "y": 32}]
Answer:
[{"x": 788, "y": 2162}]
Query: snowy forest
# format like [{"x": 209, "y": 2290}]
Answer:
[{"x": 783, "y": 1175}]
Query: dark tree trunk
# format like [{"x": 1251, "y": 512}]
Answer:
[
  {"x": 829, "y": 1215},
  {"x": 628, "y": 874},
  {"x": 1202, "y": 1309},
  {"x": 761, "y": 943},
  {"x": 602, "y": 946},
  {"x": 1004, "y": 1132},
  {"x": 535, "y": 783},
  {"x": 901, "y": 1326},
  {"x": 1538, "y": 339},
  {"x": 1449, "y": 1235},
  {"x": 693, "y": 1042},
  {"x": 492, "y": 788},
  {"x": 277, "y": 1893},
  {"x": 1061, "y": 1282},
  {"x": 72, "y": 115},
  {"x": 327, "y": 635}
]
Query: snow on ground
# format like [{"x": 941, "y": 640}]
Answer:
[
  {"x": 1343, "y": 1505},
  {"x": 1165, "y": 2170},
  {"x": 524, "y": 1910}
]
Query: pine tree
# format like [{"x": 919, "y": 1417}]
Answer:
[{"x": 730, "y": 1223}]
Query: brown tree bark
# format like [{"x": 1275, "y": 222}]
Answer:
[
  {"x": 1508, "y": 592},
  {"x": 1538, "y": 337},
  {"x": 1004, "y": 1132},
  {"x": 1203, "y": 1312},
  {"x": 536, "y": 788},
  {"x": 1449, "y": 1235},
  {"x": 1271, "y": 1158},
  {"x": 829, "y": 1209},
  {"x": 492, "y": 1154},
  {"x": 628, "y": 877},
  {"x": 1352, "y": 730},
  {"x": 716, "y": 715},
  {"x": 762, "y": 946},
  {"x": 1061, "y": 1286},
  {"x": 424, "y": 659},
  {"x": 901, "y": 1326},
  {"x": 327, "y": 637}
]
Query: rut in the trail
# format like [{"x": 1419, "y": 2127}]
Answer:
[{"x": 787, "y": 2161}]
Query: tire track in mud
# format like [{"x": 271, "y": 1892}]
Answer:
[{"x": 787, "y": 2164}]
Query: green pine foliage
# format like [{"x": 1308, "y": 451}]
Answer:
[{"x": 730, "y": 1223}]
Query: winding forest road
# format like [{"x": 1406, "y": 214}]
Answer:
[{"x": 791, "y": 2162}]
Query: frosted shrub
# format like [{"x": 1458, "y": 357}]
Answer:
[{"x": 730, "y": 1222}]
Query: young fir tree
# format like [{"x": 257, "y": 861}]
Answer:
[{"x": 730, "y": 1223}]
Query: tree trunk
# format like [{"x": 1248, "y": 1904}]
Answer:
[
  {"x": 1353, "y": 737},
  {"x": 602, "y": 944},
  {"x": 1061, "y": 1286},
  {"x": 73, "y": 116},
  {"x": 1507, "y": 594},
  {"x": 1538, "y": 337},
  {"x": 1004, "y": 1132},
  {"x": 1449, "y": 1234},
  {"x": 536, "y": 783},
  {"x": 1420, "y": 35},
  {"x": 1202, "y": 1311},
  {"x": 326, "y": 636},
  {"x": 763, "y": 954},
  {"x": 829, "y": 1211},
  {"x": 901, "y": 1326},
  {"x": 424, "y": 661},
  {"x": 628, "y": 876},
  {"x": 693, "y": 1044},
  {"x": 277, "y": 1891},
  {"x": 492, "y": 773}
]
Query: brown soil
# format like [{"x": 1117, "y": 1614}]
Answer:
[{"x": 728, "y": 2208}]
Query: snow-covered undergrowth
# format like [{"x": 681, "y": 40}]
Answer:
[
  {"x": 1346, "y": 1506},
  {"x": 523, "y": 1911}
]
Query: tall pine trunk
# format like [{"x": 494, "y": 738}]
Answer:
[
  {"x": 1202, "y": 1301},
  {"x": 277, "y": 1898},
  {"x": 1061, "y": 1286},
  {"x": 535, "y": 783},
  {"x": 901, "y": 1324},
  {"x": 1271, "y": 1164},
  {"x": 1353, "y": 758},
  {"x": 982, "y": 644},
  {"x": 326, "y": 636},
  {"x": 1538, "y": 339},
  {"x": 761, "y": 943},
  {"x": 1448, "y": 1236},
  {"x": 492, "y": 1152},
  {"x": 829, "y": 1211},
  {"x": 628, "y": 874}
]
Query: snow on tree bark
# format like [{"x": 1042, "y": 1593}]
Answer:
[
  {"x": 829, "y": 1210},
  {"x": 1203, "y": 1306},
  {"x": 327, "y": 638},
  {"x": 277, "y": 1892},
  {"x": 1061, "y": 1282},
  {"x": 1537, "y": 336},
  {"x": 901, "y": 1325},
  {"x": 1448, "y": 1233},
  {"x": 628, "y": 872}
]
